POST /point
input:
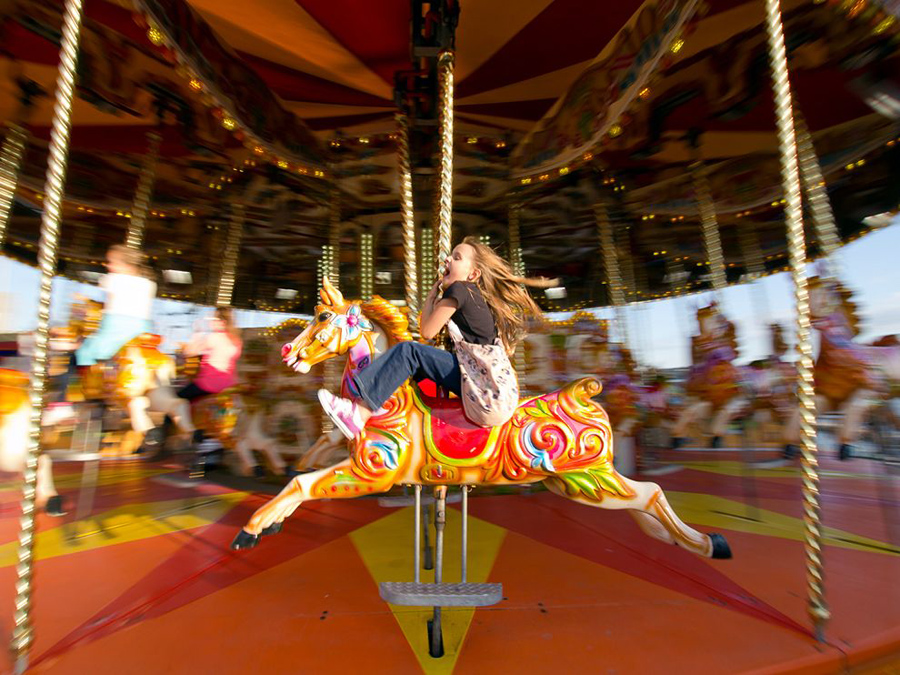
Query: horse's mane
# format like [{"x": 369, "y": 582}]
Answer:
[
  {"x": 391, "y": 320},
  {"x": 847, "y": 306}
]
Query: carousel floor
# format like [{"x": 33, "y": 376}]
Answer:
[{"x": 146, "y": 583}]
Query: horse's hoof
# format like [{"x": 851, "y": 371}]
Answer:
[
  {"x": 274, "y": 528},
  {"x": 790, "y": 451},
  {"x": 677, "y": 442},
  {"x": 54, "y": 506},
  {"x": 259, "y": 472},
  {"x": 845, "y": 452},
  {"x": 721, "y": 549},
  {"x": 716, "y": 442},
  {"x": 244, "y": 540}
]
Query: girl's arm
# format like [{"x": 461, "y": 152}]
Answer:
[{"x": 435, "y": 314}]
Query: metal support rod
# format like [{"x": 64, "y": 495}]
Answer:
[
  {"x": 464, "y": 563},
  {"x": 440, "y": 519},
  {"x": 230, "y": 257},
  {"x": 136, "y": 226},
  {"x": 816, "y": 607},
  {"x": 418, "y": 535},
  {"x": 445, "y": 84},
  {"x": 409, "y": 222},
  {"x": 712, "y": 241},
  {"x": 23, "y": 633},
  {"x": 10, "y": 161}
]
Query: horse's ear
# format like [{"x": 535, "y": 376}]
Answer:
[{"x": 331, "y": 297}]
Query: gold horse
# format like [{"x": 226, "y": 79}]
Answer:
[{"x": 563, "y": 438}]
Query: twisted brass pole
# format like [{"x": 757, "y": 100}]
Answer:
[
  {"x": 515, "y": 241},
  {"x": 409, "y": 221},
  {"x": 135, "y": 237},
  {"x": 366, "y": 265},
  {"x": 817, "y": 195},
  {"x": 445, "y": 83},
  {"x": 797, "y": 251},
  {"x": 611, "y": 267},
  {"x": 23, "y": 633},
  {"x": 10, "y": 159},
  {"x": 230, "y": 257},
  {"x": 334, "y": 237},
  {"x": 518, "y": 268},
  {"x": 711, "y": 239}
]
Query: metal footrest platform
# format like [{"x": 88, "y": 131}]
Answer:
[{"x": 415, "y": 594}]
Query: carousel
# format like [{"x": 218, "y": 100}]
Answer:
[{"x": 320, "y": 160}]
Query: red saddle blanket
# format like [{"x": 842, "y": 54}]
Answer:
[{"x": 453, "y": 435}]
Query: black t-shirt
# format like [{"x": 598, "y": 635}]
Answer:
[{"x": 472, "y": 316}]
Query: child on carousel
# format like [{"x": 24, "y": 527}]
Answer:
[
  {"x": 484, "y": 303},
  {"x": 219, "y": 346},
  {"x": 130, "y": 291}
]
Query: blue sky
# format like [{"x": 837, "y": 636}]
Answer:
[{"x": 659, "y": 332}]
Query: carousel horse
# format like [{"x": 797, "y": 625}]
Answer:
[
  {"x": 849, "y": 377},
  {"x": 15, "y": 418},
  {"x": 136, "y": 379},
  {"x": 562, "y": 438},
  {"x": 770, "y": 383},
  {"x": 714, "y": 382}
]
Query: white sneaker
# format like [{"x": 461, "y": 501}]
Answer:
[{"x": 343, "y": 412}]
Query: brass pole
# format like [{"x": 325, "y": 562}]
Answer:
[
  {"x": 366, "y": 265},
  {"x": 230, "y": 258},
  {"x": 409, "y": 220},
  {"x": 817, "y": 195},
  {"x": 518, "y": 268},
  {"x": 135, "y": 237},
  {"x": 10, "y": 160},
  {"x": 334, "y": 238},
  {"x": 23, "y": 632},
  {"x": 712, "y": 241},
  {"x": 812, "y": 521},
  {"x": 445, "y": 83},
  {"x": 611, "y": 267}
]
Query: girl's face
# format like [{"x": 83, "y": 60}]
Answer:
[
  {"x": 460, "y": 266},
  {"x": 216, "y": 324},
  {"x": 115, "y": 264}
]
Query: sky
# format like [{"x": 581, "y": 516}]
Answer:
[{"x": 659, "y": 332}]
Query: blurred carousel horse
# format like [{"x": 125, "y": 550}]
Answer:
[
  {"x": 15, "y": 418},
  {"x": 849, "y": 377},
  {"x": 714, "y": 382}
]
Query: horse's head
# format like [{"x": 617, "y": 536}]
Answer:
[{"x": 337, "y": 327}]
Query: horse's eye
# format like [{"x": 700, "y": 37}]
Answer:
[{"x": 324, "y": 316}]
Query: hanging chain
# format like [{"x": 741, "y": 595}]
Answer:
[
  {"x": 23, "y": 633},
  {"x": 10, "y": 160},
  {"x": 515, "y": 241},
  {"x": 409, "y": 220},
  {"x": 797, "y": 250},
  {"x": 136, "y": 226}
]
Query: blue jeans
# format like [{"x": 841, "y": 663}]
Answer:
[{"x": 401, "y": 362}]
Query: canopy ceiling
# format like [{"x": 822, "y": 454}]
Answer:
[{"x": 314, "y": 80}]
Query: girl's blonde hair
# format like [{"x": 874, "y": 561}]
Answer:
[
  {"x": 505, "y": 294},
  {"x": 133, "y": 258}
]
